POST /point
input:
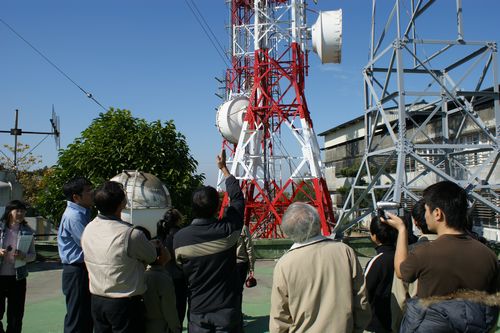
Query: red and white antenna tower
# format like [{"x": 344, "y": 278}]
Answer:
[{"x": 265, "y": 120}]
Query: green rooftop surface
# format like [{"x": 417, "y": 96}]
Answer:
[{"x": 45, "y": 307}]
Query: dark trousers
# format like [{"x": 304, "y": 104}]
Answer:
[
  {"x": 242, "y": 269},
  {"x": 242, "y": 272},
  {"x": 75, "y": 286},
  {"x": 221, "y": 321},
  {"x": 180, "y": 298},
  {"x": 118, "y": 315},
  {"x": 14, "y": 291}
]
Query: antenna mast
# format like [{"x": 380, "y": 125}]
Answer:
[
  {"x": 425, "y": 117},
  {"x": 265, "y": 121},
  {"x": 16, "y": 132}
]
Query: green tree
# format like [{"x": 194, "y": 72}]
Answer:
[
  {"x": 306, "y": 193},
  {"x": 116, "y": 141},
  {"x": 32, "y": 182}
]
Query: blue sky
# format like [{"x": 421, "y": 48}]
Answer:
[{"x": 153, "y": 58}]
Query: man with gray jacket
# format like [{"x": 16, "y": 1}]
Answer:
[{"x": 318, "y": 286}]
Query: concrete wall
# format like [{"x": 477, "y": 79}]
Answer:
[{"x": 42, "y": 227}]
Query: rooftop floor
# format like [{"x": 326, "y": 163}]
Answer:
[{"x": 45, "y": 306}]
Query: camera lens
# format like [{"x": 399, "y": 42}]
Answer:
[{"x": 9, "y": 248}]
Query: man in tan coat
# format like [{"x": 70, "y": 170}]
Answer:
[{"x": 318, "y": 286}]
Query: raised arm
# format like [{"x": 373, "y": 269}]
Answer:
[
  {"x": 221, "y": 163},
  {"x": 402, "y": 242},
  {"x": 237, "y": 201}
]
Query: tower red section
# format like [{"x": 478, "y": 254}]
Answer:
[{"x": 274, "y": 82}]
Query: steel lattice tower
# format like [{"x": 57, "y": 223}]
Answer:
[
  {"x": 422, "y": 97},
  {"x": 277, "y": 156}
]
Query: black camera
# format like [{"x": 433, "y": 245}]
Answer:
[{"x": 388, "y": 206}]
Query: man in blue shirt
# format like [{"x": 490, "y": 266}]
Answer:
[{"x": 75, "y": 280}]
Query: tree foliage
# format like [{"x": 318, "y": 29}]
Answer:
[
  {"x": 116, "y": 141},
  {"x": 307, "y": 193},
  {"x": 26, "y": 160},
  {"x": 33, "y": 183}
]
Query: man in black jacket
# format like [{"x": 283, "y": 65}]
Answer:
[{"x": 206, "y": 251}]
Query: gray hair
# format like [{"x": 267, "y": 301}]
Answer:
[{"x": 301, "y": 222}]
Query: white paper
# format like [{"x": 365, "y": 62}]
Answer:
[{"x": 23, "y": 245}]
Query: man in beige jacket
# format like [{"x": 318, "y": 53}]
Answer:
[
  {"x": 116, "y": 255},
  {"x": 318, "y": 286}
]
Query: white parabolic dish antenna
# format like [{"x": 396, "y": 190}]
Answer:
[
  {"x": 327, "y": 36},
  {"x": 230, "y": 116},
  {"x": 147, "y": 198}
]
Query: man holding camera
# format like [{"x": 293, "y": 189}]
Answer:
[
  {"x": 116, "y": 255},
  {"x": 450, "y": 264}
]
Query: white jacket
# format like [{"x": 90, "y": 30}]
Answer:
[{"x": 116, "y": 256}]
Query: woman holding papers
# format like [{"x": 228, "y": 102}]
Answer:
[{"x": 17, "y": 247}]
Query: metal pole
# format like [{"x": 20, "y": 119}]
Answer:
[
  {"x": 414, "y": 32},
  {"x": 294, "y": 21},
  {"x": 372, "y": 42},
  {"x": 496, "y": 101},
  {"x": 460, "y": 27},
  {"x": 401, "y": 144},
  {"x": 15, "y": 140}
]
